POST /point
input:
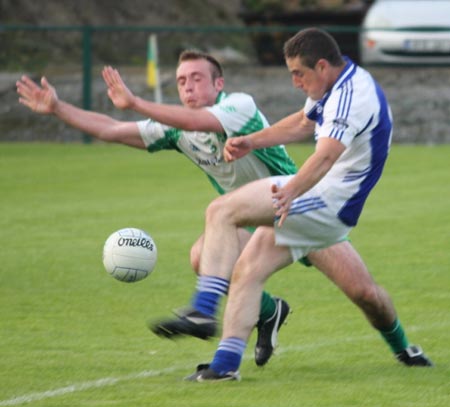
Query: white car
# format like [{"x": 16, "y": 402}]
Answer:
[{"x": 406, "y": 32}]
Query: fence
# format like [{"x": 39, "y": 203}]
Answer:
[{"x": 259, "y": 34}]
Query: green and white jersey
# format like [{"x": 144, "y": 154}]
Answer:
[{"x": 239, "y": 116}]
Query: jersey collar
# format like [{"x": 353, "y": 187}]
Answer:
[
  {"x": 348, "y": 71},
  {"x": 221, "y": 96}
]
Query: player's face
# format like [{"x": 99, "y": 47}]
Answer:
[
  {"x": 196, "y": 87},
  {"x": 313, "y": 81}
]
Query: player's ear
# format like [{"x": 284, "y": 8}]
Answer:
[
  {"x": 219, "y": 83},
  {"x": 322, "y": 64}
]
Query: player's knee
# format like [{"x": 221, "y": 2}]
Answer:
[{"x": 217, "y": 210}]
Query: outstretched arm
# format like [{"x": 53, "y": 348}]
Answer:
[
  {"x": 179, "y": 117},
  {"x": 44, "y": 100},
  {"x": 293, "y": 128}
]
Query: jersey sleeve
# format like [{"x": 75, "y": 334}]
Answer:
[
  {"x": 238, "y": 114},
  {"x": 157, "y": 136},
  {"x": 342, "y": 118}
]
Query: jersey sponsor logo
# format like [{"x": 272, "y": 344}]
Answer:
[{"x": 214, "y": 161}]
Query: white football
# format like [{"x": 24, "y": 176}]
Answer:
[{"x": 129, "y": 255}]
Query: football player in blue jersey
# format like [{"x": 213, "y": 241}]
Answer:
[{"x": 311, "y": 212}]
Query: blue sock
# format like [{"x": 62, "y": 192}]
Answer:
[
  {"x": 209, "y": 291},
  {"x": 228, "y": 355}
]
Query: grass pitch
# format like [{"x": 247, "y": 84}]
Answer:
[{"x": 70, "y": 335}]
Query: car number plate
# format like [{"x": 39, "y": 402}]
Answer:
[{"x": 427, "y": 45}]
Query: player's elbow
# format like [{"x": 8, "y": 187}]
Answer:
[
  {"x": 112, "y": 134},
  {"x": 106, "y": 135}
]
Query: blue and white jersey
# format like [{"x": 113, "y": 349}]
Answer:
[{"x": 355, "y": 112}]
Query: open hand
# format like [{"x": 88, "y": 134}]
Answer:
[
  {"x": 40, "y": 99},
  {"x": 118, "y": 92}
]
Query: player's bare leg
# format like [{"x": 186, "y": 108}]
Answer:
[
  {"x": 248, "y": 205},
  {"x": 345, "y": 268},
  {"x": 342, "y": 264},
  {"x": 258, "y": 261},
  {"x": 196, "y": 250}
]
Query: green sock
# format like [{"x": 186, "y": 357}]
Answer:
[
  {"x": 268, "y": 306},
  {"x": 395, "y": 337}
]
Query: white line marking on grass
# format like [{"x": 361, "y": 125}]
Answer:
[
  {"x": 107, "y": 381},
  {"x": 111, "y": 381}
]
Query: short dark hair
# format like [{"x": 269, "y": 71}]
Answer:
[
  {"x": 311, "y": 45},
  {"x": 192, "y": 55}
]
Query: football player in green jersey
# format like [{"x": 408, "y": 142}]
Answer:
[{"x": 198, "y": 129}]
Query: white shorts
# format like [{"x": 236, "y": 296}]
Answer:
[{"x": 312, "y": 223}]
